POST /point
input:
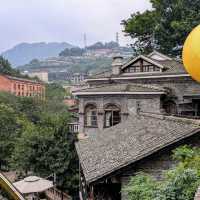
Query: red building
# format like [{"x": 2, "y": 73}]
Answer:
[{"x": 22, "y": 87}]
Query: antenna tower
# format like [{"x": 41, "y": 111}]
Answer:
[
  {"x": 117, "y": 38},
  {"x": 85, "y": 40}
]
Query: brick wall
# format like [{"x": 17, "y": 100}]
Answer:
[
  {"x": 21, "y": 87},
  {"x": 5, "y": 84}
]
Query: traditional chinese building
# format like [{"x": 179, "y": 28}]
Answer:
[
  {"x": 22, "y": 87},
  {"x": 131, "y": 118}
]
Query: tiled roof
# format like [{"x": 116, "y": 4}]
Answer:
[
  {"x": 123, "y": 88},
  {"x": 140, "y": 136},
  {"x": 170, "y": 67}
]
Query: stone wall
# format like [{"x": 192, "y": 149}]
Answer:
[
  {"x": 127, "y": 104},
  {"x": 179, "y": 86},
  {"x": 197, "y": 195},
  {"x": 156, "y": 164}
]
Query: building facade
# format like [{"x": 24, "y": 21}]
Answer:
[
  {"x": 130, "y": 119},
  {"x": 41, "y": 75},
  {"x": 22, "y": 87}
]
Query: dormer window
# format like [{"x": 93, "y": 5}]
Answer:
[{"x": 142, "y": 64}]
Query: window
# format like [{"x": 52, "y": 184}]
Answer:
[
  {"x": 170, "y": 107},
  {"x": 91, "y": 116},
  {"x": 112, "y": 116},
  {"x": 141, "y": 68},
  {"x": 19, "y": 86}
]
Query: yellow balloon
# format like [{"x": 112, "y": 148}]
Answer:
[{"x": 191, "y": 54}]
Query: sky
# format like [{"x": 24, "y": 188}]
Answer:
[{"x": 64, "y": 20}]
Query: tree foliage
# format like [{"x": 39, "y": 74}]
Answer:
[
  {"x": 35, "y": 138},
  {"x": 165, "y": 27},
  {"x": 75, "y": 51},
  {"x": 5, "y": 68},
  {"x": 179, "y": 183},
  {"x": 100, "y": 45}
]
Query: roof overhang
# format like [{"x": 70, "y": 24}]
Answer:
[
  {"x": 192, "y": 96},
  {"x": 140, "y": 77},
  {"x": 157, "y": 149},
  {"x": 118, "y": 93}
]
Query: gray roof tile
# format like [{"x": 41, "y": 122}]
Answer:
[
  {"x": 140, "y": 136},
  {"x": 124, "y": 88}
]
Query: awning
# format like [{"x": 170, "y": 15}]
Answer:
[{"x": 33, "y": 184}]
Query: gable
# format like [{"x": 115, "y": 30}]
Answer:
[{"x": 142, "y": 64}]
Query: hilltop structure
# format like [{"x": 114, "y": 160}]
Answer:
[
  {"x": 131, "y": 118},
  {"x": 22, "y": 87}
]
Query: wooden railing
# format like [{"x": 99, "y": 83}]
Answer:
[{"x": 55, "y": 194}]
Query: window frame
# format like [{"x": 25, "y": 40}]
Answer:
[
  {"x": 91, "y": 116},
  {"x": 109, "y": 110}
]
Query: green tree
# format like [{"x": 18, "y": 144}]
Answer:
[
  {"x": 5, "y": 67},
  {"x": 75, "y": 51},
  {"x": 141, "y": 186},
  {"x": 9, "y": 130},
  {"x": 167, "y": 25},
  {"x": 55, "y": 92},
  {"x": 179, "y": 183},
  {"x": 46, "y": 148}
]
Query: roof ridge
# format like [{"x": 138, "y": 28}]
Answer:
[
  {"x": 171, "y": 118},
  {"x": 150, "y": 86}
]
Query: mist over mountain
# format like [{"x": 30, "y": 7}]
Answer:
[{"x": 25, "y": 52}]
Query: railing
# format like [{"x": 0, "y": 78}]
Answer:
[
  {"x": 74, "y": 127},
  {"x": 55, "y": 194}
]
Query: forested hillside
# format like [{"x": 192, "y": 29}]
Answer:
[{"x": 25, "y": 52}]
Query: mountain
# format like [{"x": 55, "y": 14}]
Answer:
[{"x": 25, "y": 52}]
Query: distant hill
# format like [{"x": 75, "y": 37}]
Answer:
[{"x": 25, "y": 52}]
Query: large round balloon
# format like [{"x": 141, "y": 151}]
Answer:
[{"x": 191, "y": 54}]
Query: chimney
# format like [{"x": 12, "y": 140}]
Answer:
[{"x": 117, "y": 64}]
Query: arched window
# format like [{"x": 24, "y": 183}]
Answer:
[
  {"x": 112, "y": 116},
  {"x": 91, "y": 116}
]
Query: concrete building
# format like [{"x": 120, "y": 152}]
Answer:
[
  {"x": 22, "y": 87},
  {"x": 41, "y": 75},
  {"x": 130, "y": 120}
]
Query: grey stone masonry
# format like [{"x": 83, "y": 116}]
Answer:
[{"x": 197, "y": 195}]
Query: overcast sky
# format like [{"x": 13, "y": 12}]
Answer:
[{"x": 64, "y": 20}]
